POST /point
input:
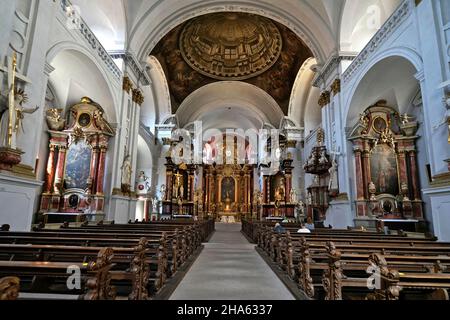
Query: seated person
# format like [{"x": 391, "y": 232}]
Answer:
[
  {"x": 279, "y": 228},
  {"x": 310, "y": 224},
  {"x": 303, "y": 229}
]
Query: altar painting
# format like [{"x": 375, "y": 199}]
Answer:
[
  {"x": 383, "y": 168},
  {"x": 228, "y": 189},
  {"x": 78, "y": 166}
]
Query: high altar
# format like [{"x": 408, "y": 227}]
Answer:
[
  {"x": 228, "y": 191},
  {"x": 75, "y": 172}
]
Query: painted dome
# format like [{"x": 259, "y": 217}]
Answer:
[{"x": 231, "y": 46}]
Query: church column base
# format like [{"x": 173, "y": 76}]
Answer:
[
  {"x": 18, "y": 199},
  {"x": 122, "y": 209}
]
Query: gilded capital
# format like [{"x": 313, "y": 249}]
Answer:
[
  {"x": 324, "y": 99},
  {"x": 336, "y": 86}
]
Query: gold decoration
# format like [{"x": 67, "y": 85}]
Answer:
[
  {"x": 54, "y": 120},
  {"x": 127, "y": 85},
  {"x": 336, "y": 86},
  {"x": 324, "y": 99},
  {"x": 228, "y": 46},
  {"x": 320, "y": 136}
]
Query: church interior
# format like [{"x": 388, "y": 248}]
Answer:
[{"x": 223, "y": 150}]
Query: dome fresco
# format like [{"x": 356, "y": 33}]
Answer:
[{"x": 232, "y": 46}]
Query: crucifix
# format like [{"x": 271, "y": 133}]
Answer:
[{"x": 12, "y": 116}]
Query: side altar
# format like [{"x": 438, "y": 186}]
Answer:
[{"x": 74, "y": 182}]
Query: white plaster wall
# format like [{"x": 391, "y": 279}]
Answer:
[{"x": 17, "y": 200}]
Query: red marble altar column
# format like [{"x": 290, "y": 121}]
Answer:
[
  {"x": 146, "y": 209},
  {"x": 169, "y": 185},
  {"x": 366, "y": 173},
  {"x": 359, "y": 176},
  {"x": 101, "y": 171},
  {"x": 414, "y": 177},
  {"x": 93, "y": 170},
  {"x": 50, "y": 173},
  {"x": 60, "y": 170},
  {"x": 360, "y": 207}
]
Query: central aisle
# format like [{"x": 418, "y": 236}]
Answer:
[{"x": 229, "y": 268}]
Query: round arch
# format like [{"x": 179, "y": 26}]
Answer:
[
  {"x": 407, "y": 55},
  {"x": 230, "y": 103},
  {"x": 306, "y": 23}
]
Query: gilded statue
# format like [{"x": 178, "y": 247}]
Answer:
[
  {"x": 54, "y": 120},
  {"x": 20, "y": 97},
  {"x": 126, "y": 174},
  {"x": 333, "y": 171}
]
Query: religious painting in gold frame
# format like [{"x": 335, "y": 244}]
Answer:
[{"x": 384, "y": 170}]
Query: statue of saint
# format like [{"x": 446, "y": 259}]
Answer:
[
  {"x": 333, "y": 184},
  {"x": 309, "y": 199},
  {"x": 155, "y": 204},
  {"x": 126, "y": 174},
  {"x": 293, "y": 196},
  {"x": 162, "y": 190},
  {"x": 142, "y": 183}
]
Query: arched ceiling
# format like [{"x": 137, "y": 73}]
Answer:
[
  {"x": 248, "y": 107},
  {"x": 231, "y": 46}
]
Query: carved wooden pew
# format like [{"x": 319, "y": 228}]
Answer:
[
  {"x": 42, "y": 277},
  {"x": 127, "y": 250},
  {"x": 323, "y": 270},
  {"x": 9, "y": 288},
  {"x": 391, "y": 283},
  {"x": 131, "y": 271},
  {"x": 92, "y": 239}
]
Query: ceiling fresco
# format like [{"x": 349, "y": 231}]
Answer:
[{"x": 231, "y": 47}]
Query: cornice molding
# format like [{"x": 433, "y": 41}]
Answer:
[
  {"x": 94, "y": 43},
  {"x": 132, "y": 63},
  {"x": 332, "y": 63}
]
